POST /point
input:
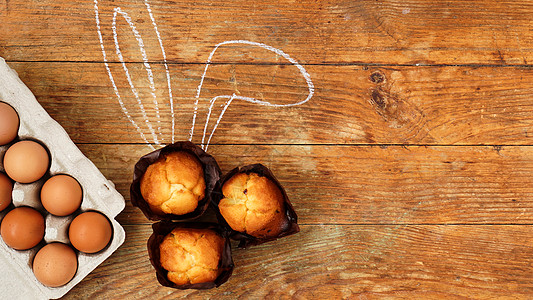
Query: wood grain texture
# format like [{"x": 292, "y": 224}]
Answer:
[
  {"x": 344, "y": 262},
  {"x": 352, "y": 105},
  {"x": 410, "y": 168},
  {"x": 371, "y": 185},
  {"x": 385, "y": 32}
]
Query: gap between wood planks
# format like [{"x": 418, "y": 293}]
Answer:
[
  {"x": 326, "y": 144},
  {"x": 380, "y": 224},
  {"x": 283, "y": 64}
]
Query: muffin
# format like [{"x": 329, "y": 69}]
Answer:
[
  {"x": 191, "y": 255},
  {"x": 174, "y": 184},
  {"x": 253, "y": 204}
]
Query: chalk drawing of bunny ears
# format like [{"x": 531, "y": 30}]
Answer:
[{"x": 155, "y": 131}]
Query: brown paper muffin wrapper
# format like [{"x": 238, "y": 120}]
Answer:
[
  {"x": 161, "y": 229},
  {"x": 212, "y": 174},
  {"x": 245, "y": 240}
]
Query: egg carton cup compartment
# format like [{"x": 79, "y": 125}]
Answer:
[
  {"x": 3, "y": 150},
  {"x": 17, "y": 280}
]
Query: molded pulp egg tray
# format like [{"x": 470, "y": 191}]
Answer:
[{"x": 17, "y": 280}]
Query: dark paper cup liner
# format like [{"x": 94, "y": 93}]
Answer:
[
  {"x": 211, "y": 175},
  {"x": 161, "y": 229},
  {"x": 245, "y": 240}
]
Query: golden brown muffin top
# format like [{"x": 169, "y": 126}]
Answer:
[
  {"x": 252, "y": 204},
  {"x": 174, "y": 184},
  {"x": 191, "y": 255}
]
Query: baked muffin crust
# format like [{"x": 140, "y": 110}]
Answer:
[
  {"x": 253, "y": 204},
  {"x": 174, "y": 184},
  {"x": 191, "y": 255}
]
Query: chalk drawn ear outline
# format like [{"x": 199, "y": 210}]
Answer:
[
  {"x": 230, "y": 98},
  {"x": 147, "y": 67},
  {"x": 170, "y": 96}
]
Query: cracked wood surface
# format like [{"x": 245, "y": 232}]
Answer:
[
  {"x": 352, "y": 104},
  {"x": 386, "y": 32}
]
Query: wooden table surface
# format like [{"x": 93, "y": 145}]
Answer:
[{"x": 406, "y": 151}]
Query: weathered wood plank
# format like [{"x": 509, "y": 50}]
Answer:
[
  {"x": 448, "y": 220},
  {"x": 370, "y": 262},
  {"x": 371, "y": 185},
  {"x": 386, "y": 32},
  {"x": 351, "y": 105}
]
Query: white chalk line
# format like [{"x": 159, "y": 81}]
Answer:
[
  {"x": 117, "y": 10},
  {"x": 171, "y": 100},
  {"x": 219, "y": 117},
  {"x": 110, "y": 75},
  {"x": 147, "y": 66},
  {"x": 302, "y": 70}
]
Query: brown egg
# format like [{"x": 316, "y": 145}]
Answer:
[
  {"x": 22, "y": 228},
  {"x": 9, "y": 123},
  {"x": 90, "y": 232},
  {"x": 61, "y": 195},
  {"x": 6, "y": 188},
  {"x": 26, "y": 161},
  {"x": 55, "y": 264}
]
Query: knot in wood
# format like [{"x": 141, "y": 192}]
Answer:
[
  {"x": 377, "y": 77},
  {"x": 377, "y": 98}
]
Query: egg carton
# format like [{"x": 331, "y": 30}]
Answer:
[{"x": 17, "y": 280}]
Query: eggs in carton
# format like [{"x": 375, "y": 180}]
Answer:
[{"x": 100, "y": 202}]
